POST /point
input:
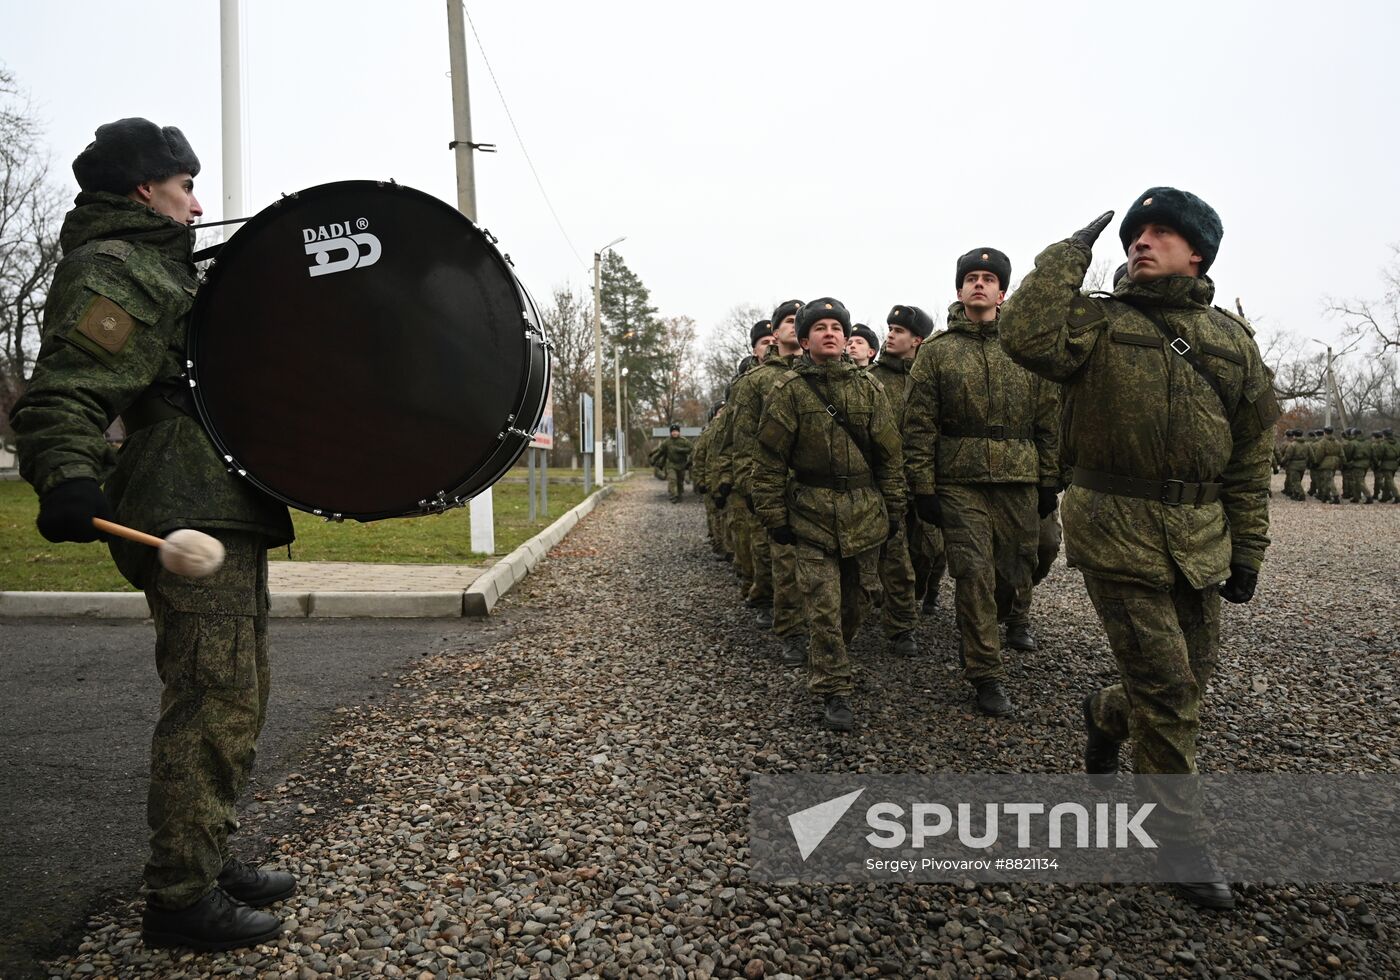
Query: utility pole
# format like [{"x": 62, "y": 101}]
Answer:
[
  {"x": 231, "y": 106},
  {"x": 617, "y": 414},
  {"x": 598, "y": 366},
  {"x": 483, "y": 516},
  {"x": 1331, "y": 389}
]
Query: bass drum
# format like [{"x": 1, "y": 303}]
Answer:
[{"x": 362, "y": 350}]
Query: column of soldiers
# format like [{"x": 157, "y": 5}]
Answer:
[
  {"x": 865, "y": 476},
  {"x": 1320, "y": 454}
]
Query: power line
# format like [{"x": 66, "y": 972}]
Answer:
[{"x": 520, "y": 139}]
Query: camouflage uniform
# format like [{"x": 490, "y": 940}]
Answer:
[
  {"x": 1310, "y": 444},
  {"x": 1151, "y": 566},
  {"x": 981, "y": 432},
  {"x": 1295, "y": 462},
  {"x": 775, "y": 567},
  {"x": 810, "y": 476},
  {"x": 742, "y": 536},
  {"x": 657, "y": 458},
  {"x": 1385, "y": 454},
  {"x": 677, "y": 459},
  {"x": 114, "y": 345},
  {"x": 1356, "y": 460},
  {"x": 1329, "y": 459},
  {"x": 699, "y": 473},
  {"x": 898, "y": 579}
]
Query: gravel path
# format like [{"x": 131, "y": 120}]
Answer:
[{"x": 566, "y": 794}]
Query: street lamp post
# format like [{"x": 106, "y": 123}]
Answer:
[
  {"x": 617, "y": 408},
  {"x": 598, "y": 356}
]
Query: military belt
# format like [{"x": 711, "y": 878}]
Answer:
[
  {"x": 998, "y": 432},
  {"x": 841, "y": 484},
  {"x": 1173, "y": 493},
  {"x": 156, "y": 404}
]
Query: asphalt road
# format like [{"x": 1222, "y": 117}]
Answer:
[{"x": 78, "y": 701}]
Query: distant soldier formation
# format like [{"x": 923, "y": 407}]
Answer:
[
  {"x": 843, "y": 478},
  {"x": 1320, "y": 455}
]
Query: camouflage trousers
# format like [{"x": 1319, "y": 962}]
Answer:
[
  {"x": 788, "y": 606},
  {"x": 675, "y": 482},
  {"x": 211, "y": 655},
  {"x": 714, "y": 526},
  {"x": 1354, "y": 485},
  {"x": 1293, "y": 482},
  {"x": 760, "y": 554},
  {"x": 928, "y": 555},
  {"x": 1385, "y": 485},
  {"x": 1047, "y": 549},
  {"x": 990, "y": 532},
  {"x": 742, "y": 525},
  {"x": 836, "y": 595},
  {"x": 900, "y": 610},
  {"x": 1325, "y": 486},
  {"x": 1167, "y": 645}
]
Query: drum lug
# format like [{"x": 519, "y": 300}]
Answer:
[
  {"x": 330, "y": 518},
  {"x": 440, "y": 503},
  {"x": 490, "y": 237},
  {"x": 513, "y": 431}
]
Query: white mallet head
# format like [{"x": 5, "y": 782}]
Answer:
[{"x": 191, "y": 554}]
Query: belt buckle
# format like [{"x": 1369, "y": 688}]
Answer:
[
  {"x": 1183, "y": 350},
  {"x": 996, "y": 432},
  {"x": 843, "y": 484},
  {"x": 1180, "y": 492}
]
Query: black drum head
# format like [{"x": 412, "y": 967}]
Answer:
[{"x": 362, "y": 350}]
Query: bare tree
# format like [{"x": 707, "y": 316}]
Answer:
[
  {"x": 1380, "y": 319},
  {"x": 676, "y": 363},
  {"x": 568, "y": 323},
  {"x": 724, "y": 347},
  {"x": 30, "y": 213},
  {"x": 1298, "y": 374}
]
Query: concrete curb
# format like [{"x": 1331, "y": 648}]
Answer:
[{"x": 477, "y": 600}]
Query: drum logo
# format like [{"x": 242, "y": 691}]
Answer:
[{"x": 337, "y": 248}]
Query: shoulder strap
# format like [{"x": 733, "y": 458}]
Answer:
[
  {"x": 1182, "y": 349},
  {"x": 839, "y": 419}
]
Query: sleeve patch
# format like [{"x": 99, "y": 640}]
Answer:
[
  {"x": 107, "y": 325},
  {"x": 1084, "y": 311}
]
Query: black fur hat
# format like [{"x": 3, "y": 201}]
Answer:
[
  {"x": 821, "y": 309},
  {"x": 861, "y": 330},
  {"x": 911, "y": 318},
  {"x": 131, "y": 151},
  {"x": 1182, "y": 211},
  {"x": 985, "y": 260},
  {"x": 761, "y": 329},
  {"x": 792, "y": 307},
  {"x": 1119, "y": 274},
  {"x": 745, "y": 363}
]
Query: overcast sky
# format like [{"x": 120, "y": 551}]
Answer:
[{"x": 757, "y": 151}]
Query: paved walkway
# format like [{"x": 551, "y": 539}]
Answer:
[{"x": 344, "y": 576}]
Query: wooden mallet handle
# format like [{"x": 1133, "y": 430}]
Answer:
[{"x": 121, "y": 531}]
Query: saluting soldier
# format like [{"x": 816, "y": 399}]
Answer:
[
  {"x": 980, "y": 437},
  {"x": 1168, "y": 416},
  {"x": 114, "y": 345},
  {"x": 828, "y": 482}
]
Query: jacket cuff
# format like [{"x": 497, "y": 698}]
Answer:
[
  {"x": 1247, "y": 558},
  {"x": 62, "y": 474}
]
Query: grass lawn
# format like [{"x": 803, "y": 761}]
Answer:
[{"x": 28, "y": 563}]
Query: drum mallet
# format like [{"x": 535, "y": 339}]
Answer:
[{"x": 186, "y": 552}]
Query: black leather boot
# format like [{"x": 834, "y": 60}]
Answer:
[
  {"x": 1194, "y": 875},
  {"x": 215, "y": 922},
  {"x": 1100, "y": 749},
  {"x": 1020, "y": 637},
  {"x": 256, "y": 886},
  {"x": 836, "y": 714},
  {"x": 794, "y": 651},
  {"x": 931, "y": 601},
  {"x": 904, "y": 644},
  {"x": 992, "y": 699}
]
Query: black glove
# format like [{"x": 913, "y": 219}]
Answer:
[
  {"x": 929, "y": 509},
  {"x": 701, "y": 488},
  {"x": 719, "y": 500},
  {"x": 1046, "y": 500},
  {"x": 723, "y": 489},
  {"x": 66, "y": 511},
  {"x": 1239, "y": 587},
  {"x": 1089, "y": 234},
  {"x": 896, "y": 528},
  {"x": 782, "y": 535}
]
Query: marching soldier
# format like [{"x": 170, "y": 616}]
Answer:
[
  {"x": 1168, "y": 413},
  {"x": 677, "y": 458},
  {"x": 1385, "y": 453},
  {"x": 775, "y": 572},
  {"x": 1314, "y": 461},
  {"x": 1329, "y": 460},
  {"x": 862, "y": 345},
  {"x": 828, "y": 482},
  {"x": 1356, "y": 460},
  {"x": 907, "y": 327},
  {"x": 114, "y": 345},
  {"x": 980, "y": 437},
  {"x": 1295, "y": 461}
]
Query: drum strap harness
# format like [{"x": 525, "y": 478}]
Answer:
[{"x": 162, "y": 400}]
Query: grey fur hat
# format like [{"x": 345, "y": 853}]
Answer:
[{"x": 131, "y": 151}]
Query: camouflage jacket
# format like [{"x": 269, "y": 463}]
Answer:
[
  {"x": 700, "y": 455},
  {"x": 798, "y": 439},
  {"x": 1294, "y": 455},
  {"x": 1385, "y": 455},
  {"x": 1326, "y": 453},
  {"x": 114, "y": 331},
  {"x": 677, "y": 452},
  {"x": 1133, "y": 407},
  {"x": 893, "y": 373},
  {"x": 746, "y": 401},
  {"x": 975, "y": 416},
  {"x": 1356, "y": 454}
]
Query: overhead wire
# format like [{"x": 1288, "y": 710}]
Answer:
[{"x": 520, "y": 139}]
